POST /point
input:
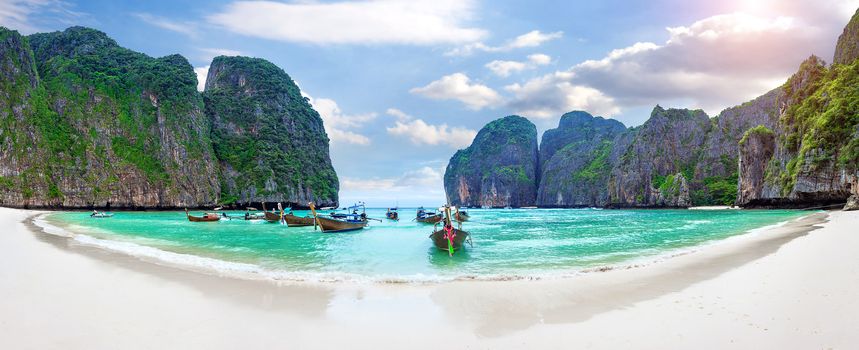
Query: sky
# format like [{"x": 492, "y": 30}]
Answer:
[{"x": 401, "y": 85}]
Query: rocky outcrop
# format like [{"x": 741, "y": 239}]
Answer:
[
  {"x": 795, "y": 146},
  {"x": 654, "y": 170},
  {"x": 86, "y": 123},
  {"x": 847, "y": 48},
  {"x": 271, "y": 144},
  {"x": 97, "y": 125},
  {"x": 576, "y": 161},
  {"x": 499, "y": 168},
  {"x": 756, "y": 150},
  {"x": 852, "y": 203},
  {"x": 815, "y": 156}
]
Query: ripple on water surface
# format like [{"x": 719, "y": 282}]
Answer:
[{"x": 526, "y": 242}]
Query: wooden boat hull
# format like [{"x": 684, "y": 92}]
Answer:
[
  {"x": 442, "y": 243},
  {"x": 393, "y": 216},
  {"x": 297, "y": 221},
  {"x": 430, "y": 219},
  {"x": 271, "y": 217},
  {"x": 462, "y": 217},
  {"x": 331, "y": 225},
  {"x": 203, "y": 218}
]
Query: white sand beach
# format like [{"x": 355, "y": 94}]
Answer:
[{"x": 794, "y": 286}]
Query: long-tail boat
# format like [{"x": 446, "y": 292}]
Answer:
[
  {"x": 449, "y": 238},
  {"x": 100, "y": 215},
  {"x": 351, "y": 223},
  {"x": 298, "y": 221},
  {"x": 392, "y": 214},
  {"x": 253, "y": 216},
  {"x": 272, "y": 216},
  {"x": 207, "y": 217},
  {"x": 461, "y": 215},
  {"x": 428, "y": 217}
]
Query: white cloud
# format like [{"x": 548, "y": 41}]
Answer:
[
  {"x": 539, "y": 59},
  {"x": 458, "y": 86},
  {"x": 336, "y": 122},
  {"x": 420, "y": 132},
  {"x": 713, "y": 63},
  {"x": 533, "y": 38},
  {"x": 18, "y": 14},
  {"x": 186, "y": 28},
  {"x": 551, "y": 95},
  {"x": 416, "y": 22},
  {"x": 202, "y": 73},
  {"x": 424, "y": 176},
  {"x": 400, "y": 115},
  {"x": 505, "y": 68},
  {"x": 421, "y": 186}
]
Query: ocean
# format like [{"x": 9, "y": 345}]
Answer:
[{"x": 507, "y": 244}]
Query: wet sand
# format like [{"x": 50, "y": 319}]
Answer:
[{"x": 793, "y": 286}]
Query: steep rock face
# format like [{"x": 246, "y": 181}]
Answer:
[
  {"x": 270, "y": 142},
  {"x": 97, "y": 125},
  {"x": 816, "y": 155},
  {"x": 756, "y": 150},
  {"x": 817, "y": 140},
  {"x": 576, "y": 161},
  {"x": 498, "y": 169},
  {"x": 655, "y": 167},
  {"x": 716, "y": 173},
  {"x": 852, "y": 203},
  {"x": 847, "y": 48}
]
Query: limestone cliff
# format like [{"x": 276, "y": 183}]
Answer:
[
  {"x": 271, "y": 144},
  {"x": 815, "y": 156},
  {"x": 499, "y": 168},
  {"x": 86, "y": 123},
  {"x": 654, "y": 170},
  {"x": 576, "y": 161},
  {"x": 847, "y": 47}
]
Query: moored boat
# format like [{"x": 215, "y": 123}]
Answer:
[
  {"x": 449, "y": 238},
  {"x": 297, "y": 221},
  {"x": 461, "y": 215},
  {"x": 207, "y": 217},
  {"x": 272, "y": 216},
  {"x": 392, "y": 214},
  {"x": 100, "y": 215},
  {"x": 428, "y": 217},
  {"x": 330, "y": 225}
]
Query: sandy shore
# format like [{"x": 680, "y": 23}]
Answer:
[{"x": 794, "y": 286}]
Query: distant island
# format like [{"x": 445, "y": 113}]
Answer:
[
  {"x": 796, "y": 146},
  {"x": 85, "y": 123}
]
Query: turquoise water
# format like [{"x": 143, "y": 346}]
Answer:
[{"x": 519, "y": 242}]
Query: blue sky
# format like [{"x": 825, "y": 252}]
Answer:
[{"x": 402, "y": 85}]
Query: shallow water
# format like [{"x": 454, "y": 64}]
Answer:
[{"x": 521, "y": 242}]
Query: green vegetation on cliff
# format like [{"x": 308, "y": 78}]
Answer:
[
  {"x": 498, "y": 169},
  {"x": 760, "y": 130},
  {"x": 599, "y": 166},
  {"x": 85, "y": 122},
  {"x": 270, "y": 141},
  {"x": 820, "y": 125}
]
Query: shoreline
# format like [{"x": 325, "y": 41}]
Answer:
[
  {"x": 202, "y": 263},
  {"x": 747, "y": 293}
]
